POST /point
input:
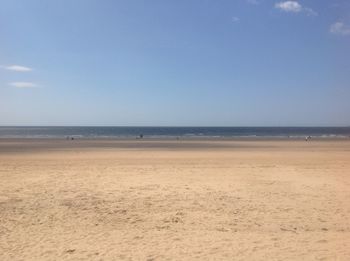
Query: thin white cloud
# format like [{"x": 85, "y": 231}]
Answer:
[
  {"x": 340, "y": 28},
  {"x": 294, "y": 7},
  {"x": 289, "y": 6},
  {"x": 235, "y": 19},
  {"x": 18, "y": 68},
  {"x": 23, "y": 84}
]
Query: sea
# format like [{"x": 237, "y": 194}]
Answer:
[{"x": 173, "y": 132}]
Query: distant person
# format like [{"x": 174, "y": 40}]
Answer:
[{"x": 141, "y": 136}]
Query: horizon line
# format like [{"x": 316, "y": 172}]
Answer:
[{"x": 179, "y": 126}]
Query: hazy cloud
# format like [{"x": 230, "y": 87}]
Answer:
[
  {"x": 294, "y": 7},
  {"x": 23, "y": 84},
  {"x": 310, "y": 12},
  {"x": 340, "y": 28},
  {"x": 235, "y": 19},
  {"x": 18, "y": 68}
]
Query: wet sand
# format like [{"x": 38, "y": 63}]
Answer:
[{"x": 174, "y": 200}]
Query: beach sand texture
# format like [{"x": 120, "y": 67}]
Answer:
[{"x": 174, "y": 200}]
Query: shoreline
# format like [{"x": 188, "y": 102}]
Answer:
[
  {"x": 26, "y": 145},
  {"x": 180, "y": 138}
]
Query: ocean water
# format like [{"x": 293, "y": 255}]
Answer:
[{"x": 173, "y": 132}]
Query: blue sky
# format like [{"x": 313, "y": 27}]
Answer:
[{"x": 175, "y": 63}]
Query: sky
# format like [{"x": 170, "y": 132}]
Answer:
[{"x": 175, "y": 63}]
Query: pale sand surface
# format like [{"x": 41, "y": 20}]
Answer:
[{"x": 174, "y": 200}]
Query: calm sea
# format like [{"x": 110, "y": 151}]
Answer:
[{"x": 173, "y": 132}]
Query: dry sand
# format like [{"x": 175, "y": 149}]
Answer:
[{"x": 174, "y": 200}]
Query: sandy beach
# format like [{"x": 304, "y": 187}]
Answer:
[{"x": 174, "y": 200}]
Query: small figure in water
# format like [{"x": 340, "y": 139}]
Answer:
[{"x": 141, "y": 136}]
